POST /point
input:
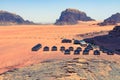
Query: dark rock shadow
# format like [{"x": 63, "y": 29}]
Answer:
[{"x": 107, "y": 41}]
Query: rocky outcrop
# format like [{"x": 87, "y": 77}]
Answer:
[
  {"x": 73, "y": 69},
  {"x": 113, "y": 20},
  {"x": 10, "y": 18},
  {"x": 110, "y": 41},
  {"x": 72, "y": 16},
  {"x": 115, "y": 32}
]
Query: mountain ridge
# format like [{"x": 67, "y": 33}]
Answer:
[
  {"x": 11, "y": 18},
  {"x": 112, "y": 20}
]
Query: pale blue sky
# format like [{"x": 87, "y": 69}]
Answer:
[{"x": 47, "y": 11}]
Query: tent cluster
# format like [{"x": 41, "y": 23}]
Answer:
[{"x": 87, "y": 47}]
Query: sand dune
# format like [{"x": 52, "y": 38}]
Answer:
[{"x": 16, "y": 42}]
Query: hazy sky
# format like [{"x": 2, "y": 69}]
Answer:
[{"x": 47, "y": 11}]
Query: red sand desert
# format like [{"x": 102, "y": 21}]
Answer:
[{"x": 16, "y": 42}]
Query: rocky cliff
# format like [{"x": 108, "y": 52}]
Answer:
[
  {"x": 72, "y": 16},
  {"x": 10, "y": 18},
  {"x": 113, "y": 20}
]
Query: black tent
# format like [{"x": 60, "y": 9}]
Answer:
[
  {"x": 54, "y": 48},
  {"x": 76, "y": 52},
  {"x": 71, "y": 48},
  {"x": 86, "y": 52},
  {"x": 79, "y": 48},
  {"x": 62, "y": 48},
  {"x": 96, "y": 52},
  {"x": 37, "y": 47},
  {"x": 67, "y": 52},
  {"x": 66, "y": 41},
  {"x": 76, "y": 42},
  {"x": 46, "y": 48}
]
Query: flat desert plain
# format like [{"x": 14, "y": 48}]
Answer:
[{"x": 16, "y": 42}]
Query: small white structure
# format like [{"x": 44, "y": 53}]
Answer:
[{"x": 83, "y": 43}]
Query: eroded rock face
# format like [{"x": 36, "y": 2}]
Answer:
[
  {"x": 113, "y": 20},
  {"x": 10, "y": 18},
  {"x": 77, "y": 69},
  {"x": 72, "y": 16},
  {"x": 115, "y": 32}
]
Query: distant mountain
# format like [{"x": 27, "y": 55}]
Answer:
[
  {"x": 72, "y": 16},
  {"x": 113, "y": 20},
  {"x": 10, "y": 18}
]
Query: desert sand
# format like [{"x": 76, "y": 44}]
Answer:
[{"x": 16, "y": 42}]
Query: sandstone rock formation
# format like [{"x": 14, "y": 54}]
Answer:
[
  {"x": 72, "y": 16},
  {"x": 113, "y": 20},
  {"x": 10, "y": 18},
  {"x": 73, "y": 69},
  {"x": 115, "y": 32},
  {"x": 110, "y": 41}
]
